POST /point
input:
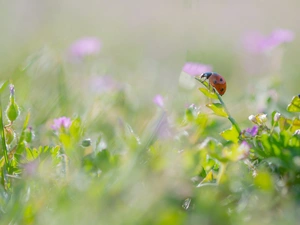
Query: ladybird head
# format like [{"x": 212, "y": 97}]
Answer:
[{"x": 206, "y": 75}]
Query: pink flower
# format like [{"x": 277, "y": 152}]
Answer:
[
  {"x": 62, "y": 122},
  {"x": 159, "y": 101},
  {"x": 194, "y": 69},
  {"x": 257, "y": 43},
  {"x": 85, "y": 47}
]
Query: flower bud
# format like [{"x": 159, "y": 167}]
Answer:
[
  {"x": 9, "y": 134},
  {"x": 86, "y": 143},
  {"x": 12, "y": 111},
  {"x": 262, "y": 118},
  {"x": 277, "y": 116},
  {"x": 259, "y": 119},
  {"x": 252, "y": 118},
  {"x": 29, "y": 134},
  {"x": 297, "y": 132}
]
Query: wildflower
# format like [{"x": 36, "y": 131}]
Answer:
[
  {"x": 194, "y": 69},
  {"x": 252, "y": 131},
  {"x": 277, "y": 116},
  {"x": 62, "y": 122},
  {"x": 278, "y": 37},
  {"x": 258, "y": 43},
  {"x": 85, "y": 47},
  {"x": 159, "y": 101},
  {"x": 259, "y": 119},
  {"x": 252, "y": 118}
]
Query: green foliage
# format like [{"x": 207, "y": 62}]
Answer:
[
  {"x": 294, "y": 106},
  {"x": 218, "y": 109},
  {"x": 231, "y": 134},
  {"x": 208, "y": 93},
  {"x": 109, "y": 162}
]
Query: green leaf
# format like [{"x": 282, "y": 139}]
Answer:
[
  {"x": 284, "y": 123},
  {"x": 294, "y": 106},
  {"x": 264, "y": 181},
  {"x": 208, "y": 93},
  {"x": 65, "y": 139},
  {"x": 54, "y": 155},
  {"x": 218, "y": 109},
  {"x": 76, "y": 129},
  {"x": 295, "y": 125},
  {"x": 275, "y": 120},
  {"x": 32, "y": 154},
  {"x": 213, "y": 149},
  {"x": 3, "y": 86},
  {"x": 209, "y": 178},
  {"x": 103, "y": 160},
  {"x": 230, "y": 134},
  {"x": 20, "y": 147},
  {"x": 237, "y": 151}
]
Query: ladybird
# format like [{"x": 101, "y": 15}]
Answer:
[{"x": 216, "y": 80}]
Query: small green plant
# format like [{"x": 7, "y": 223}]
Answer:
[{"x": 271, "y": 150}]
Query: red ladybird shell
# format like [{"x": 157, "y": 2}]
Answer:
[{"x": 217, "y": 81}]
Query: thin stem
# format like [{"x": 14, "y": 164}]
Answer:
[
  {"x": 6, "y": 167},
  {"x": 231, "y": 119},
  {"x": 3, "y": 143}
]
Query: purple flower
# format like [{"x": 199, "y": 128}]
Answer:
[
  {"x": 62, "y": 122},
  {"x": 12, "y": 89},
  {"x": 252, "y": 131},
  {"x": 194, "y": 69},
  {"x": 281, "y": 36},
  {"x": 258, "y": 43},
  {"x": 85, "y": 47},
  {"x": 159, "y": 101}
]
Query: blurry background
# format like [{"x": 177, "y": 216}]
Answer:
[{"x": 145, "y": 45}]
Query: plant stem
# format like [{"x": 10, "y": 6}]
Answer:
[
  {"x": 3, "y": 143},
  {"x": 6, "y": 167},
  {"x": 231, "y": 119}
]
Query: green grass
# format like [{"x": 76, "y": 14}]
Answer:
[{"x": 122, "y": 159}]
